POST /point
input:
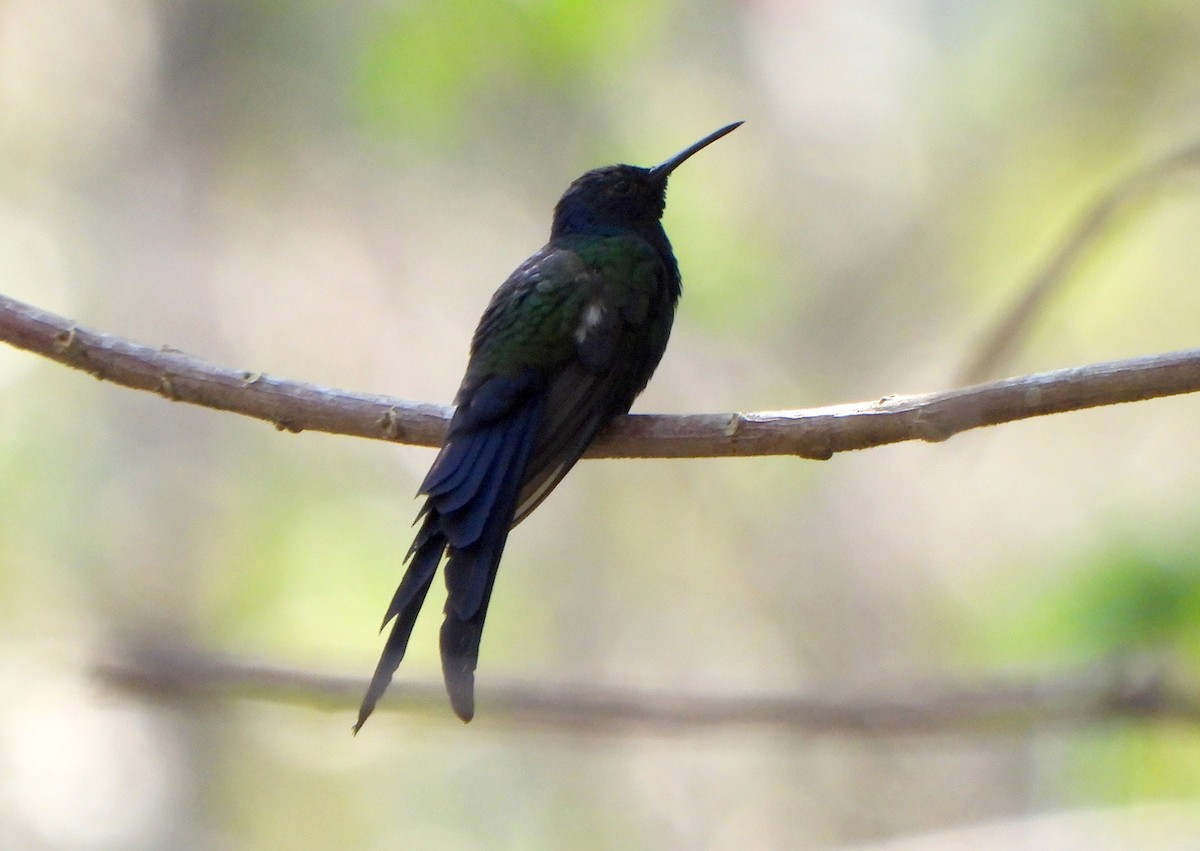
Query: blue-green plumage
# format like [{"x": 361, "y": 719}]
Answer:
[{"x": 566, "y": 344}]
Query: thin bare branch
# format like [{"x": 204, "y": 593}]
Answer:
[
  {"x": 1004, "y": 338},
  {"x": 289, "y": 405},
  {"x": 815, "y": 433},
  {"x": 1089, "y": 697}
]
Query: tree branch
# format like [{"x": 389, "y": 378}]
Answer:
[
  {"x": 1014, "y": 323},
  {"x": 1095, "y": 696},
  {"x": 816, "y": 433}
]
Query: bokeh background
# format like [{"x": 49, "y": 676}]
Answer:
[{"x": 331, "y": 191}]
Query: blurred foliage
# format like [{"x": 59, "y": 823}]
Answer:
[
  {"x": 1122, "y": 601},
  {"x": 332, "y": 191},
  {"x": 1133, "y": 605},
  {"x": 426, "y": 66},
  {"x": 1135, "y": 601}
]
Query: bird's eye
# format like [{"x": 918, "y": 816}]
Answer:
[{"x": 623, "y": 187}]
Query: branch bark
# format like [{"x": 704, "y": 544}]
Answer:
[{"x": 815, "y": 433}]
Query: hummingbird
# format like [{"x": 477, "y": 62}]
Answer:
[{"x": 565, "y": 345}]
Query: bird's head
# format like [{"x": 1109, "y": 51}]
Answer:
[{"x": 621, "y": 197}]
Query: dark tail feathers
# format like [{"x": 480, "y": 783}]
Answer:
[{"x": 469, "y": 512}]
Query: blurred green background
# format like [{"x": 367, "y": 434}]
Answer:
[{"x": 330, "y": 192}]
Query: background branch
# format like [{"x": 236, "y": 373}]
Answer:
[
  {"x": 916, "y": 708},
  {"x": 815, "y": 433},
  {"x": 1010, "y": 329}
]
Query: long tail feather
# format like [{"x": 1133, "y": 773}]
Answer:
[
  {"x": 473, "y": 490},
  {"x": 471, "y": 570},
  {"x": 470, "y": 575},
  {"x": 405, "y": 606}
]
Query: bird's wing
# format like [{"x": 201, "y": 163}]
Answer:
[
  {"x": 577, "y": 329},
  {"x": 618, "y": 333}
]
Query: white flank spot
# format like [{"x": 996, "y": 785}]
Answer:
[{"x": 593, "y": 314}]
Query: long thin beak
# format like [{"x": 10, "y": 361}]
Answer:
[{"x": 660, "y": 171}]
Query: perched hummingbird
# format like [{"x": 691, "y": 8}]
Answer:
[{"x": 566, "y": 344}]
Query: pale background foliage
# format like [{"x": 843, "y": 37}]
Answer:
[{"x": 330, "y": 192}]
